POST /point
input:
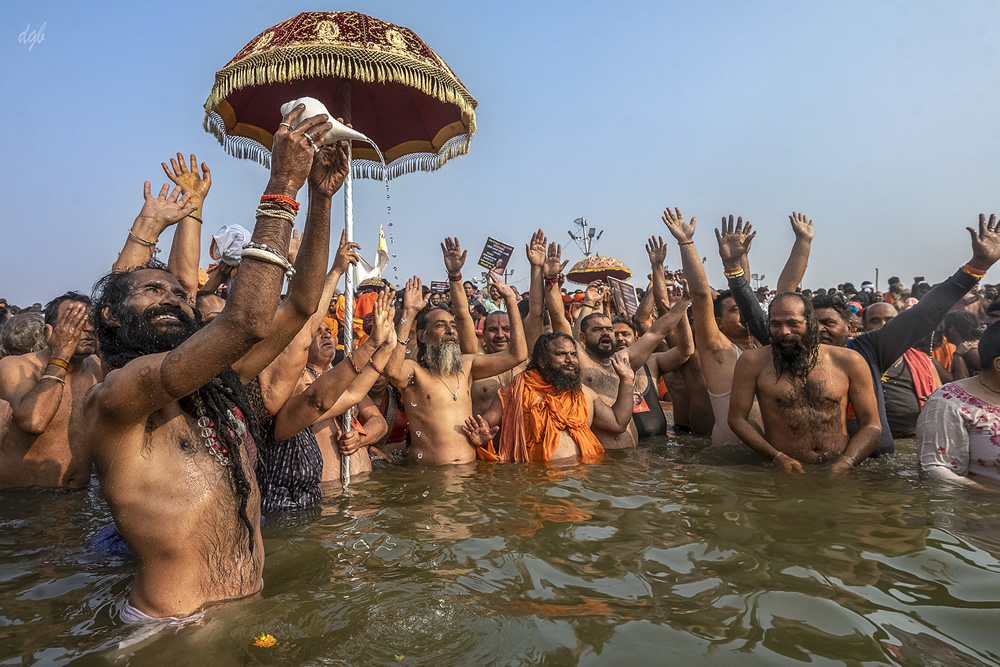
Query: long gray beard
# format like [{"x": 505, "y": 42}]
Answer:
[{"x": 445, "y": 357}]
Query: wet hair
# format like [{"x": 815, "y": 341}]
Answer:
[
  {"x": 51, "y": 309},
  {"x": 621, "y": 319},
  {"x": 833, "y": 302},
  {"x": 965, "y": 324},
  {"x": 717, "y": 303},
  {"x": 22, "y": 334},
  {"x": 121, "y": 343},
  {"x": 989, "y": 346}
]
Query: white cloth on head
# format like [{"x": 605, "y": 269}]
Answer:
[{"x": 227, "y": 244}]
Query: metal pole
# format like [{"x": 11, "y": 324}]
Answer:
[{"x": 345, "y": 461}]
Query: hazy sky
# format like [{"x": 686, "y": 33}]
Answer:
[{"x": 879, "y": 120}]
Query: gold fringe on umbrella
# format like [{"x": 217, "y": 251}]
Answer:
[{"x": 291, "y": 63}]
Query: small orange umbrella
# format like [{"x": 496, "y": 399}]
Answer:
[{"x": 589, "y": 269}]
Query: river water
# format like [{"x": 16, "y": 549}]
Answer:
[{"x": 656, "y": 555}]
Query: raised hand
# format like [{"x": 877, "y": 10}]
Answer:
[
  {"x": 657, "y": 251},
  {"x": 413, "y": 296},
  {"x": 734, "y": 241},
  {"x": 802, "y": 226},
  {"x": 189, "y": 180},
  {"x": 293, "y": 245},
  {"x": 478, "y": 431},
  {"x": 68, "y": 329},
  {"x": 347, "y": 254},
  {"x": 536, "y": 249},
  {"x": 553, "y": 264},
  {"x": 682, "y": 231},
  {"x": 293, "y": 151},
  {"x": 329, "y": 167},
  {"x": 595, "y": 293},
  {"x": 454, "y": 257},
  {"x": 383, "y": 314},
  {"x": 164, "y": 210},
  {"x": 620, "y": 362},
  {"x": 985, "y": 243},
  {"x": 494, "y": 281}
]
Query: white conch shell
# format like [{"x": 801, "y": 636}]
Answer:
[{"x": 313, "y": 108}]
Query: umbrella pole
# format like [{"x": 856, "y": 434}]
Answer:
[{"x": 345, "y": 461}]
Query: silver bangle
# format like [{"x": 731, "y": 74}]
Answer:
[
  {"x": 54, "y": 377},
  {"x": 262, "y": 252}
]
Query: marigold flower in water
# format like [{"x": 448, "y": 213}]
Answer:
[{"x": 264, "y": 640}]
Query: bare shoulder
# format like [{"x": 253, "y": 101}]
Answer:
[
  {"x": 590, "y": 395},
  {"x": 118, "y": 386},
  {"x": 756, "y": 357},
  {"x": 844, "y": 356},
  {"x": 16, "y": 370}
]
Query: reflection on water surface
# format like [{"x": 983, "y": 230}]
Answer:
[{"x": 653, "y": 555}]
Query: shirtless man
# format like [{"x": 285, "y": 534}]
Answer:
[
  {"x": 436, "y": 385},
  {"x": 804, "y": 390},
  {"x": 42, "y": 446},
  {"x": 168, "y": 426},
  {"x": 596, "y": 344},
  {"x": 564, "y": 426},
  {"x": 496, "y": 328},
  {"x": 720, "y": 337}
]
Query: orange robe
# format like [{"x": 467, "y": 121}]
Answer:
[{"x": 534, "y": 414}]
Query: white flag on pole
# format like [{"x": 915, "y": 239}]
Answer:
[{"x": 365, "y": 270}]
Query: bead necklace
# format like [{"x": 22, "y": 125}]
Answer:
[
  {"x": 983, "y": 382},
  {"x": 212, "y": 443},
  {"x": 454, "y": 394}
]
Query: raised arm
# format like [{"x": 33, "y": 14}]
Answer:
[
  {"x": 35, "y": 403},
  {"x": 795, "y": 267},
  {"x": 551, "y": 269},
  {"x": 674, "y": 318},
  {"x": 454, "y": 260},
  {"x": 706, "y": 329},
  {"x": 151, "y": 382},
  {"x": 413, "y": 302},
  {"x": 357, "y": 372},
  {"x": 185, "y": 250},
  {"x": 278, "y": 380},
  {"x": 593, "y": 301},
  {"x": 329, "y": 169},
  {"x": 156, "y": 215},
  {"x": 616, "y": 418},
  {"x": 534, "y": 323},
  {"x": 488, "y": 365},
  {"x": 910, "y": 326},
  {"x": 734, "y": 245}
]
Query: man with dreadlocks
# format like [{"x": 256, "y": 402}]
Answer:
[
  {"x": 170, "y": 427},
  {"x": 804, "y": 390}
]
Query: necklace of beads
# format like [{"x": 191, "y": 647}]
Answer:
[{"x": 208, "y": 433}]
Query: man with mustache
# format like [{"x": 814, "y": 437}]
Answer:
[
  {"x": 170, "y": 427},
  {"x": 596, "y": 344},
  {"x": 803, "y": 389},
  {"x": 436, "y": 385},
  {"x": 45, "y": 389},
  {"x": 883, "y": 346},
  {"x": 548, "y": 413}
]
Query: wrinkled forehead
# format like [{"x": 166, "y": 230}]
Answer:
[
  {"x": 561, "y": 346},
  {"x": 621, "y": 327},
  {"x": 150, "y": 276},
  {"x": 438, "y": 315}
]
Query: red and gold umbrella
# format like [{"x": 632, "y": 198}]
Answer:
[
  {"x": 589, "y": 269},
  {"x": 378, "y": 76}
]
